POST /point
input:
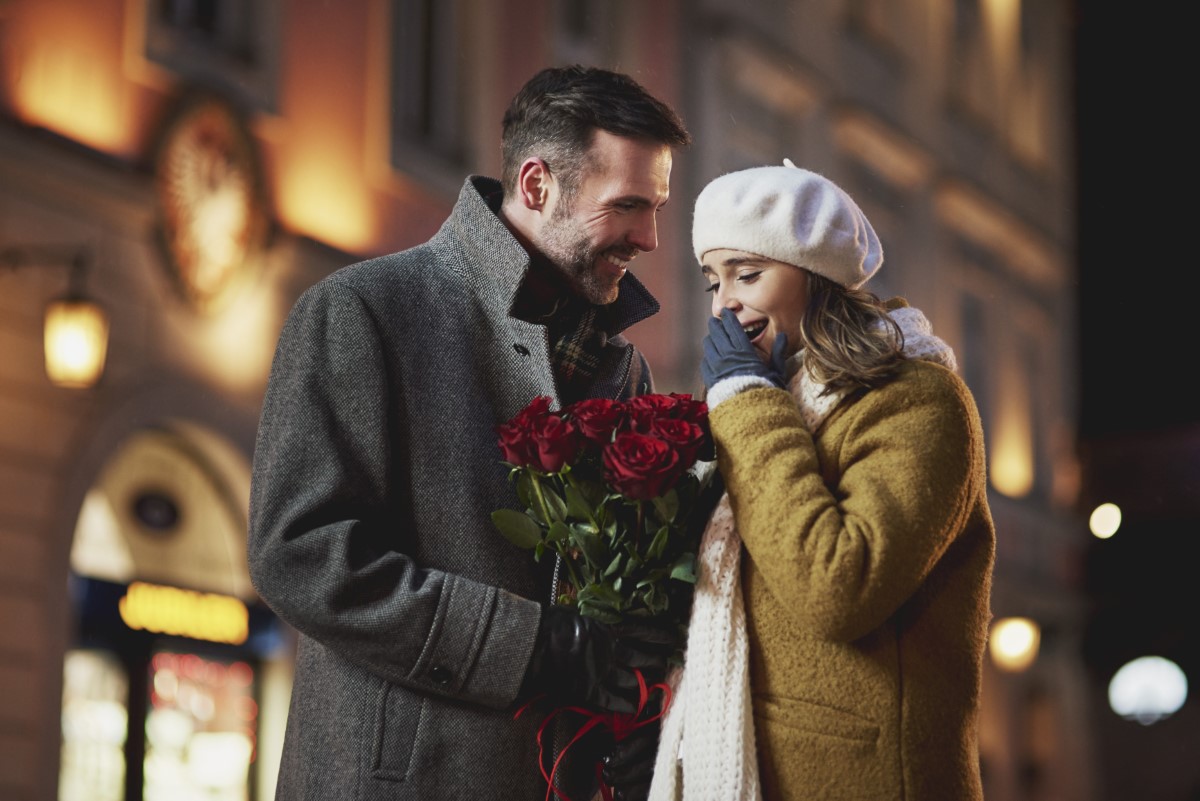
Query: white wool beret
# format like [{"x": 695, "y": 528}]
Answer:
[{"x": 790, "y": 215}]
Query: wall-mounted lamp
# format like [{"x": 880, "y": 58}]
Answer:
[{"x": 76, "y": 327}]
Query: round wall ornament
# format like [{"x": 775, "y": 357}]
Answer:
[{"x": 212, "y": 218}]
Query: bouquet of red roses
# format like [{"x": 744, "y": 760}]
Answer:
[
  {"x": 610, "y": 486},
  {"x": 614, "y": 489}
]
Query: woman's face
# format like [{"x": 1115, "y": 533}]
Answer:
[{"x": 767, "y": 296}]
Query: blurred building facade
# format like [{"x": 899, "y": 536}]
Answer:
[{"x": 213, "y": 158}]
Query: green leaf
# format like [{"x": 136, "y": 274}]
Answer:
[
  {"x": 520, "y": 529},
  {"x": 601, "y": 601},
  {"x": 667, "y": 506},
  {"x": 525, "y": 489},
  {"x": 610, "y": 529},
  {"x": 684, "y": 568},
  {"x": 587, "y": 573},
  {"x": 601, "y": 594},
  {"x": 655, "y": 576},
  {"x": 558, "y": 532},
  {"x": 578, "y": 507},
  {"x": 554, "y": 502},
  {"x": 593, "y": 492},
  {"x": 659, "y": 543},
  {"x": 656, "y": 601},
  {"x": 586, "y": 527},
  {"x": 613, "y": 566},
  {"x": 590, "y": 545}
]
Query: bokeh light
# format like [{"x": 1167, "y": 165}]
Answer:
[
  {"x": 1014, "y": 643},
  {"x": 1105, "y": 520},
  {"x": 1148, "y": 689}
]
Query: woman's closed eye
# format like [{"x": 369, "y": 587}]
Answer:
[{"x": 745, "y": 278}]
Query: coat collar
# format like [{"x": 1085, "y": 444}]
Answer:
[{"x": 476, "y": 227}]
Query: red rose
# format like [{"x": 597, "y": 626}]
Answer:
[
  {"x": 517, "y": 444},
  {"x": 685, "y": 437},
  {"x": 537, "y": 409},
  {"x": 598, "y": 418},
  {"x": 645, "y": 409},
  {"x": 640, "y": 466},
  {"x": 687, "y": 408},
  {"x": 695, "y": 411},
  {"x": 558, "y": 442},
  {"x": 518, "y": 437}
]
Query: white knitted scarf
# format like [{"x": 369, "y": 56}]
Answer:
[{"x": 707, "y": 747}]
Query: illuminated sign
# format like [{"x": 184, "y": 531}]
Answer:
[{"x": 185, "y": 613}]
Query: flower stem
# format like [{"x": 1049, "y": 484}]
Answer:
[
  {"x": 541, "y": 499},
  {"x": 637, "y": 529},
  {"x": 559, "y": 548}
]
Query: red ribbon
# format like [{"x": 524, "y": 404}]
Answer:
[{"x": 621, "y": 724}]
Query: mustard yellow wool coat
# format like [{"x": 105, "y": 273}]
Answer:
[{"x": 867, "y": 576}]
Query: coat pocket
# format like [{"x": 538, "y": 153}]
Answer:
[
  {"x": 399, "y": 718},
  {"x": 815, "y": 718},
  {"x": 810, "y": 750}
]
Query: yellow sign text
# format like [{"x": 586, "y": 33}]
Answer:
[{"x": 185, "y": 613}]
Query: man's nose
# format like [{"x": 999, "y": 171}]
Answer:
[{"x": 644, "y": 236}]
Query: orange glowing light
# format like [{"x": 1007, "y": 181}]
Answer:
[{"x": 69, "y": 61}]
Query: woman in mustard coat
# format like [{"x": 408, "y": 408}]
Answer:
[{"x": 836, "y": 644}]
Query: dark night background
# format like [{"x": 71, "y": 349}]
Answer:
[
  {"x": 1135, "y": 235},
  {"x": 1139, "y": 415}
]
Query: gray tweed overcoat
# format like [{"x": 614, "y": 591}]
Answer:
[{"x": 375, "y": 473}]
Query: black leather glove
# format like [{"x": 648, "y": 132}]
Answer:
[
  {"x": 728, "y": 353},
  {"x": 579, "y": 660},
  {"x": 629, "y": 767}
]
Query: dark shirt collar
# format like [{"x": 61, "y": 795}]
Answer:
[{"x": 544, "y": 293}]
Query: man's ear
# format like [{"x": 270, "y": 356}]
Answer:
[{"x": 533, "y": 184}]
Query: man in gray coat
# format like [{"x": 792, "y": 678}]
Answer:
[{"x": 421, "y": 628}]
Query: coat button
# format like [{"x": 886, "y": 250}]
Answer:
[
  {"x": 521, "y": 349},
  {"x": 440, "y": 675}
]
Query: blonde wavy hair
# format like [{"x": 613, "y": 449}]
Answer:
[{"x": 849, "y": 339}]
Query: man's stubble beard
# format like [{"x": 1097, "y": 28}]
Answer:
[{"x": 568, "y": 249}]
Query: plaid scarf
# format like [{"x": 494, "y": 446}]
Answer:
[{"x": 575, "y": 346}]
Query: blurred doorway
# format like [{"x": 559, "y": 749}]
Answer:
[{"x": 176, "y": 679}]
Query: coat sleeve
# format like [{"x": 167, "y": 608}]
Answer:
[
  {"x": 326, "y": 531},
  {"x": 844, "y": 544}
]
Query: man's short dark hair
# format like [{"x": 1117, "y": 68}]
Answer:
[{"x": 556, "y": 112}]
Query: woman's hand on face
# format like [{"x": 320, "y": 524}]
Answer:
[{"x": 728, "y": 353}]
